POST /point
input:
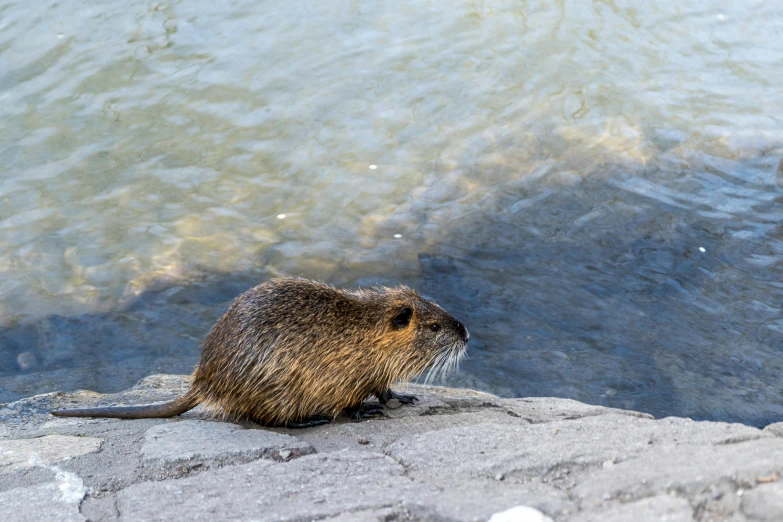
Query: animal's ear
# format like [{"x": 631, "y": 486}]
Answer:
[{"x": 403, "y": 317}]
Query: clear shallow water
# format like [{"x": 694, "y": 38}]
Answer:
[{"x": 593, "y": 187}]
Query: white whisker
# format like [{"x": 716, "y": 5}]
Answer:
[
  {"x": 436, "y": 367},
  {"x": 443, "y": 363},
  {"x": 433, "y": 373}
]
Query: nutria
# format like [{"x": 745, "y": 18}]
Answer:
[{"x": 293, "y": 352}]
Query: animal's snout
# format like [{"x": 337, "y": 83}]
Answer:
[{"x": 463, "y": 332}]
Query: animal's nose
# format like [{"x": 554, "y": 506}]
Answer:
[{"x": 463, "y": 332}]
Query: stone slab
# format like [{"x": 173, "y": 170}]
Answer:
[
  {"x": 311, "y": 487},
  {"x": 16, "y": 453},
  {"x": 764, "y": 503},
  {"x": 178, "y": 446},
  {"x": 547, "y": 409},
  {"x": 685, "y": 469},
  {"x": 775, "y": 429},
  {"x": 52, "y": 501},
  {"x": 548, "y": 450},
  {"x": 455, "y": 456},
  {"x": 660, "y": 508}
]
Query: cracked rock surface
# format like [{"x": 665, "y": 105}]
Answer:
[{"x": 457, "y": 455}]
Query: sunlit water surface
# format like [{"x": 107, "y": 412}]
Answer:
[{"x": 594, "y": 187}]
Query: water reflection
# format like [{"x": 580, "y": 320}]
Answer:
[{"x": 548, "y": 169}]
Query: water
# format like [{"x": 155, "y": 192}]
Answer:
[{"x": 594, "y": 187}]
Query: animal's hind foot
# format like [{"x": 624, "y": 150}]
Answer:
[
  {"x": 366, "y": 411},
  {"x": 310, "y": 422}
]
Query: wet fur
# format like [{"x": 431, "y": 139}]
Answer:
[{"x": 292, "y": 349}]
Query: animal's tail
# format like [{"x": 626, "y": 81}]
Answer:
[{"x": 144, "y": 411}]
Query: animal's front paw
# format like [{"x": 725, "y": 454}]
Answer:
[
  {"x": 387, "y": 395},
  {"x": 403, "y": 397}
]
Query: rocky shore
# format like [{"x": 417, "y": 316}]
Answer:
[{"x": 458, "y": 455}]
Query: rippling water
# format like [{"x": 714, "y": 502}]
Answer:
[{"x": 593, "y": 186}]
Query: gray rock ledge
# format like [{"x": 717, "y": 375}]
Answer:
[{"x": 457, "y": 455}]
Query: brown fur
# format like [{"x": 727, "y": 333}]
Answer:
[{"x": 291, "y": 349}]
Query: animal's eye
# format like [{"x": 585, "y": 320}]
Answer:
[
  {"x": 403, "y": 318},
  {"x": 435, "y": 327}
]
